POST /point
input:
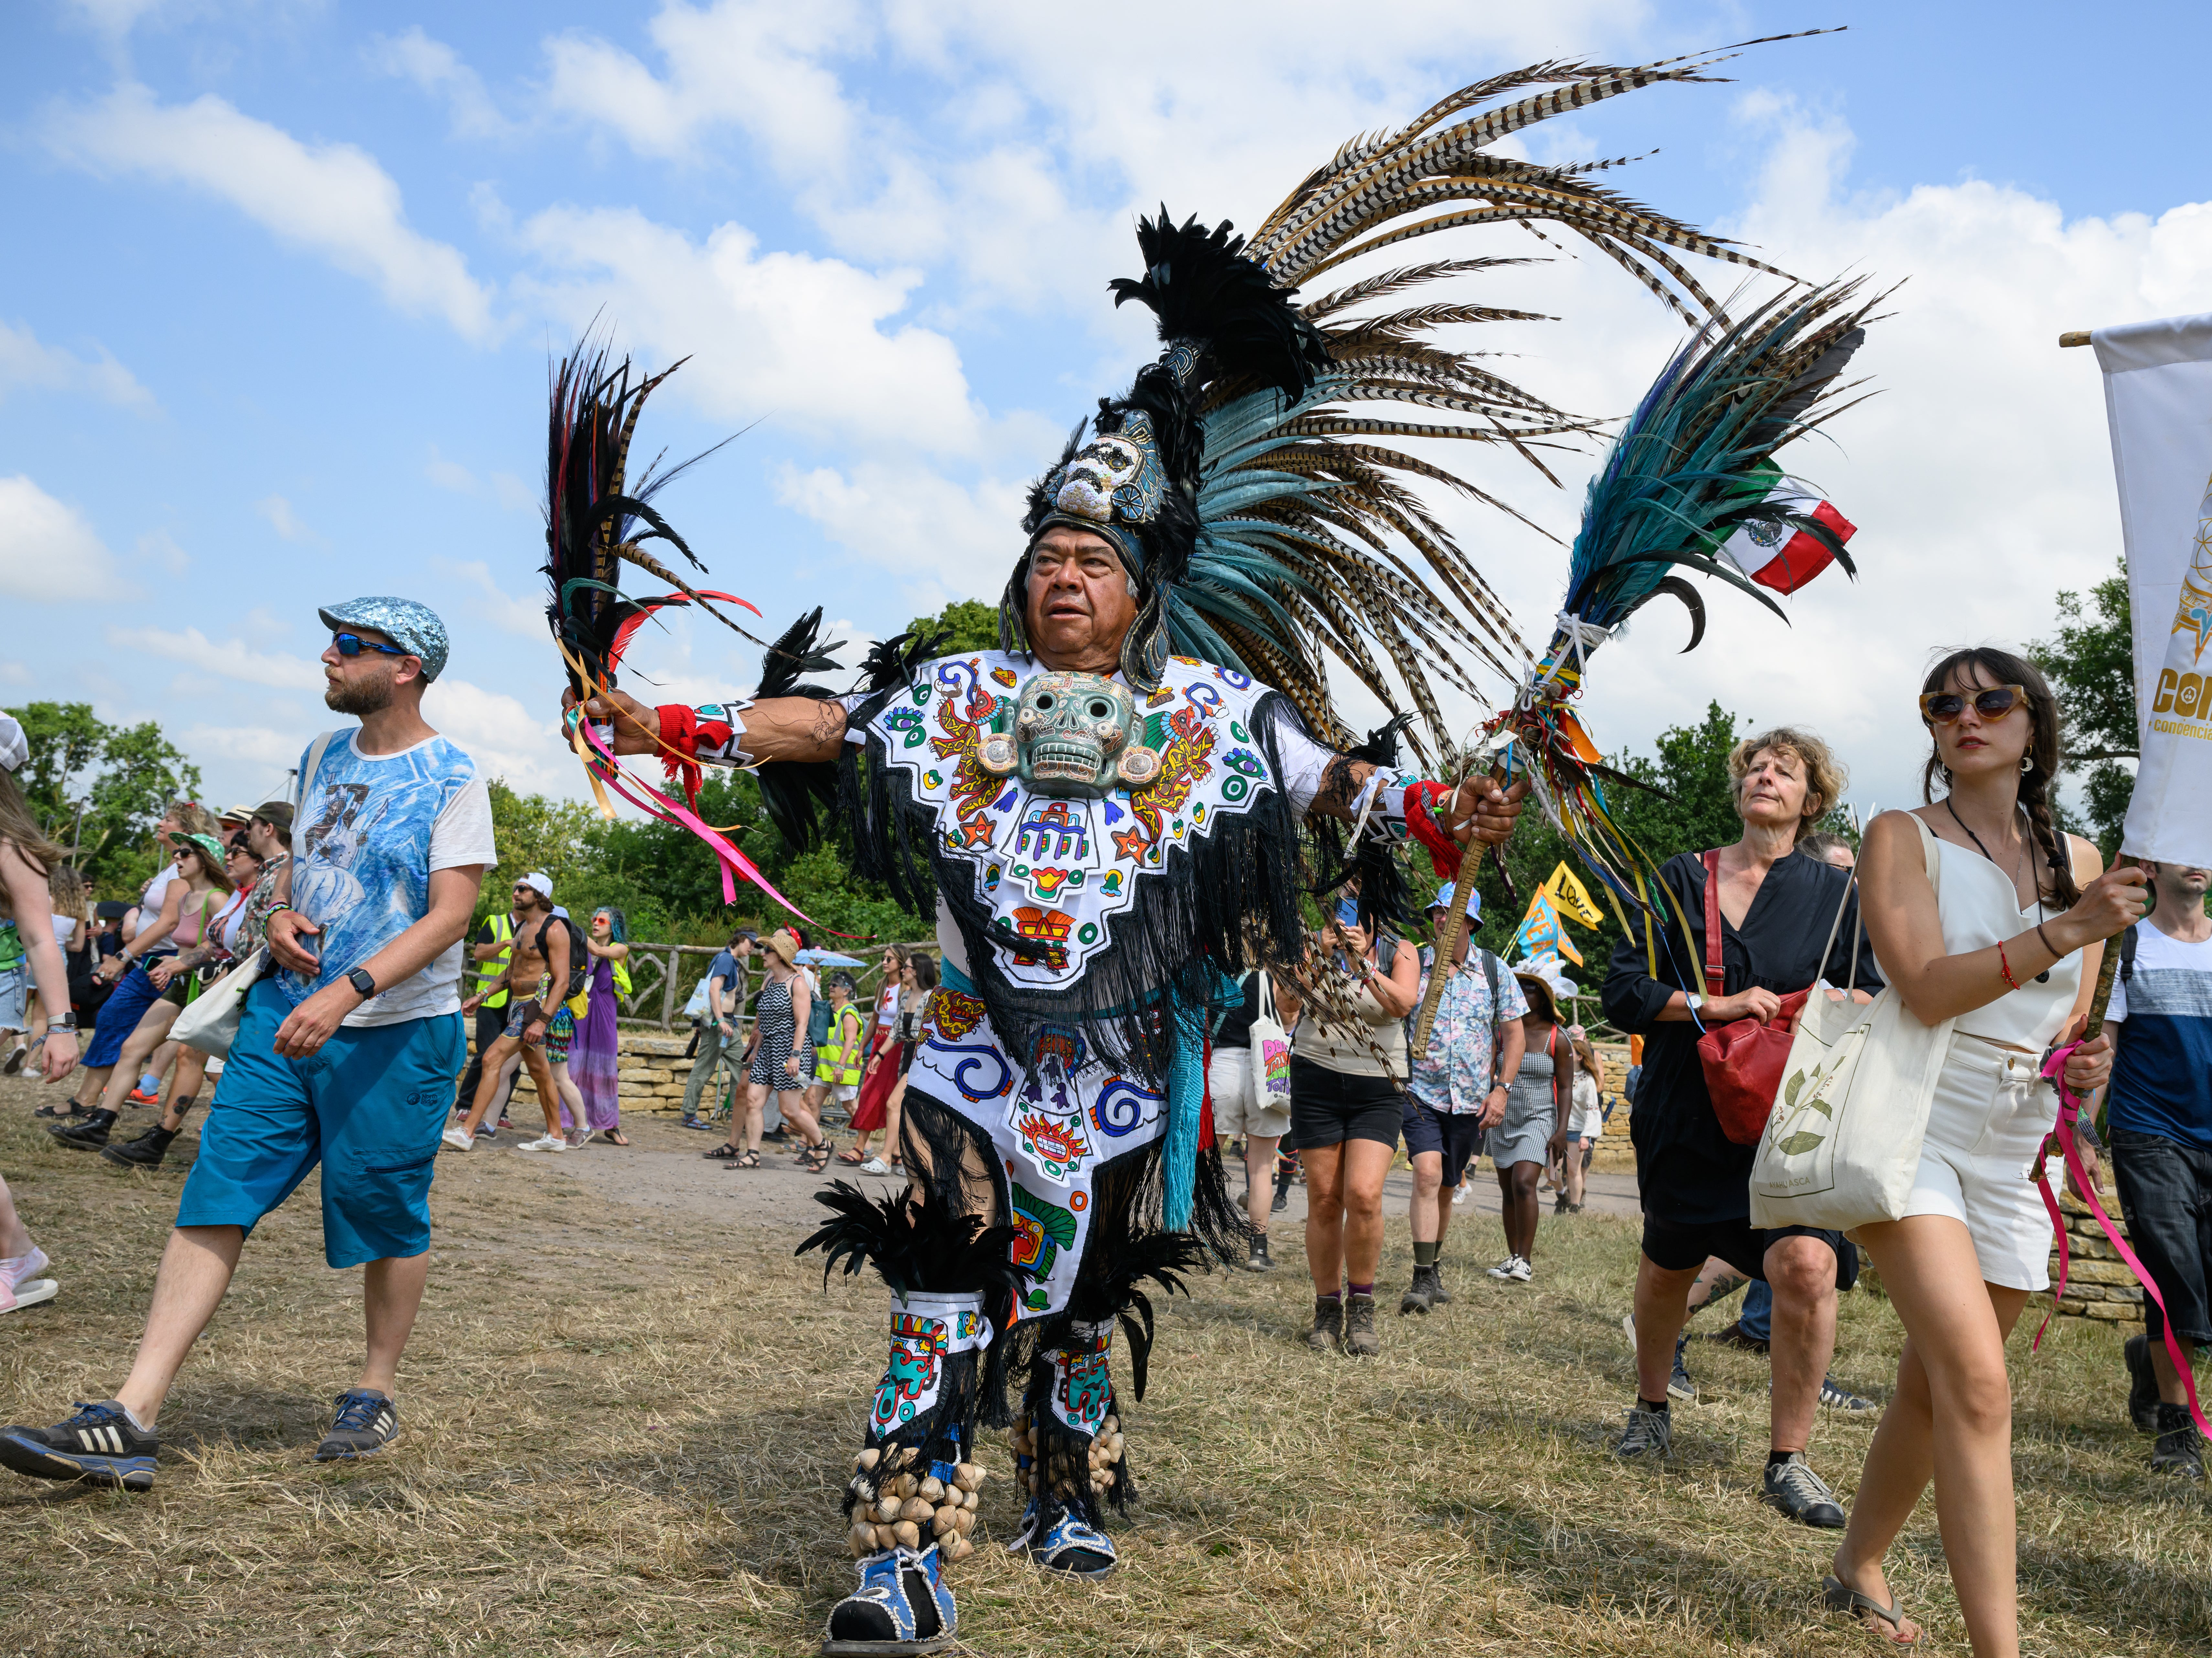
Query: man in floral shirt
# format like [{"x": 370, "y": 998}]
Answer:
[{"x": 1458, "y": 1090}]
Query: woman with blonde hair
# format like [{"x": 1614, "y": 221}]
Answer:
[{"x": 2006, "y": 947}]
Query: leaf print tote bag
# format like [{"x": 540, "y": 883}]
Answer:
[{"x": 1844, "y": 1143}]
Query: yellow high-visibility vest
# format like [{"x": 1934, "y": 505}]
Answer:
[{"x": 502, "y": 927}]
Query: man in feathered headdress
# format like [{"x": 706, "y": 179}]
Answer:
[{"x": 1104, "y": 813}]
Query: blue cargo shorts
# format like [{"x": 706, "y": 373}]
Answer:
[{"x": 369, "y": 1106}]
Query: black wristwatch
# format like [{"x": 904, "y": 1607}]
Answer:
[{"x": 360, "y": 980}]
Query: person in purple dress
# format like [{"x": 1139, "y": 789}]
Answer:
[{"x": 592, "y": 1056}]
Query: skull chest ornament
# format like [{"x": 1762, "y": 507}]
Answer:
[{"x": 1071, "y": 738}]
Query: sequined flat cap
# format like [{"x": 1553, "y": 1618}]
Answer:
[{"x": 413, "y": 627}]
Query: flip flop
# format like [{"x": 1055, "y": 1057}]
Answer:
[
  {"x": 1839, "y": 1596},
  {"x": 850, "y": 1155},
  {"x": 615, "y": 1137}
]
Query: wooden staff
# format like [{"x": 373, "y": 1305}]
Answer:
[
  {"x": 2102, "y": 997},
  {"x": 1447, "y": 931}
]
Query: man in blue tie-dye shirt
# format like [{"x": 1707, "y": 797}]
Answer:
[{"x": 345, "y": 1057}]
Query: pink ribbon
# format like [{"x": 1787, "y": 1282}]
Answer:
[
  {"x": 660, "y": 805},
  {"x": 2063, "y": 1134}
]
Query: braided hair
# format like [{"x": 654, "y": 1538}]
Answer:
[{"x": 2003, "y": 668}]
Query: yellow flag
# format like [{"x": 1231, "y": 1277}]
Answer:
[{"x": 1573, "y": 897}]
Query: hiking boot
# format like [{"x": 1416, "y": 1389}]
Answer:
[
  {"x": 143, "y": 1151},
  {"x": 2142, "y": 1384},
  {"x": 1734, "y": 1336},
  {"x": 2180, "y": 1448},
  {"x": 1794, "y": 1488},
  {"x": 1648, "y": 1433},
  {"x": 1679, "y": 1385},
  {"x": 87, "y": 1136},
  {"x": 1257, "y": 1261},
  {"x": 366, "y": 1421},
  {"x": 1438, "y": 1295},
  {"x": 98, "y": 1445},
  {"x": 1422, "y": 1296},
  {"x": 1359, "y": 1337},
  {"x": 1328, "y": 1323}
]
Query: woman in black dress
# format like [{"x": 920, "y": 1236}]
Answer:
[{"x": 1776, "y": 910}]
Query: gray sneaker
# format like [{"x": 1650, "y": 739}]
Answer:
[
  {"x": 1836, "y": 1397},
  {"x": 1648, "y": 1434},
  {"x": 366, "y": 1422},
  {"x": 1327, "y": 1324},
  {"x": 1795, "y": 1489}
]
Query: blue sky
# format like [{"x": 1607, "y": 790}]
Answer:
[{"x": 278, "y": 327}]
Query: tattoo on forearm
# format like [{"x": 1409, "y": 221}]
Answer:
[
  {"x": 1339, "y": 787},
  {"x": 829, "y": 723}
]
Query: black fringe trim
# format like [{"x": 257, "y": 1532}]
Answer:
[
  {"x": 1064, "y": 1455},
  {"x": 795, "y": 792}
]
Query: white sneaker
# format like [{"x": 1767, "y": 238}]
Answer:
[
  {"x": 544, "y": 1143},
  {"x": 1504, "y": 1268},
  {"x": 1459, "y": 1196},
  {"x": 1521, "y": 1271},
  {"x": 1628, "y": 1327},
  {"x": 459, "y": 1139}
]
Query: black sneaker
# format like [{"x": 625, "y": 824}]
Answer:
[
  {"x": 87, "y": 1136},
  {"x": 1794, "y": 1488},
  {"x": 2180, "y": 1448},
  {"x": 367, "y": 1420},
  {"x": 1258, "y": 1260},
  {"x": 1836, "y": 1397},
  {"x": 1679, "y": 1385},
  {"x": 2142, "y": 1384},
  {"x": 143, "y": 1151},
  {"x": 1734, "y": 1336},
  {"x": 98, "y": 1445}
]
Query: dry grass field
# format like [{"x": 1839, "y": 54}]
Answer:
[{"x": 628, "y": 1410}]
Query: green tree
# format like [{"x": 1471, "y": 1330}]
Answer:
[
  {"x": 102, "y": 788},
  {"x": 2090, "y": 662},
  {"x": 973, "y": 624}
]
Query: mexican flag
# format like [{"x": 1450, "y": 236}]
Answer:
[{"x": 1778, "y": 555}]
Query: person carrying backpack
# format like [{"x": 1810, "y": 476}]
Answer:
[{"x": 1458, "y": 1090}]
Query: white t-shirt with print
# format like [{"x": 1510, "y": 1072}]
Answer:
[{"x": 368, "y": 832}]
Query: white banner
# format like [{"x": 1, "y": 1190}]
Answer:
[{"x": 2158, "y": 393}]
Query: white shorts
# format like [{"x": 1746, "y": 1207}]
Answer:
[
  {"x": 1987, "y": 1122},
  {"x": 1236, "y": 1109}
]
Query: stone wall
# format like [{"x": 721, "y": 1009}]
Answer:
[
  {"x": 652, "y": 1072},
  {"x": 2099, "y": 1285}
]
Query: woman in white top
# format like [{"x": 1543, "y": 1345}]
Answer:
[{"x": 2010, "y": 952}]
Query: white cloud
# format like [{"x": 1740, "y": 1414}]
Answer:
[
  {"x": 159, "y": 548},
  {"x": 523, "y": 616},
  {"x": 232, "y": 658},
  {"x": 331, "y": 198},
  {"x": 115, "y": 18},
  {"x": 254, "y": 745},
  {"x": 943, "y": 539},
  {"x": 510, "y": 491},
  {"x": 503, "y": 735},
  {"x": 287, "y": 522},
  {"x": 785, "y": 337},
  {"x": 25, "y": 363},
  {"x": 437, "y": 69},
  {"x": 49, "y": 552}
]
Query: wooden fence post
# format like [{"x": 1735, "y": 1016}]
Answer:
[{"x": 668, "y": 991}]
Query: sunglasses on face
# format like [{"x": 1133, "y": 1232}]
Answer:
[
  {"x": 353, "y": 645},
  {"x": 1994, "y": 703}
]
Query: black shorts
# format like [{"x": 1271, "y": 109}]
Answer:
[
  {"x": 1457, "y": 1134},
  {"x": 1329, "y": 1108},
  {"x": 1674, "y": 1247},
  {"x": 2166, "y": 1190}
]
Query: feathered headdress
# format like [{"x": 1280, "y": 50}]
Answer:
[{"x": 1269, "y": 521}]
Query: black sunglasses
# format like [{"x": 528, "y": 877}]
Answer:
[
  {"x": 1941, "y": 707},
  {"x": 353, "y": 645}
]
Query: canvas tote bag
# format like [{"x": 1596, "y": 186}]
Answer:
[
  {"x": 1271, "y": 1052},
  {"x": 1844, "y": 1143}
]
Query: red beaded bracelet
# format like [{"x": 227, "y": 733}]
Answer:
[{"x": 2005, "y": 967}]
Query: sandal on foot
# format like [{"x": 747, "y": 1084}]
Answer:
[
  {"x": 73, "y": 1109},
  {"x": 848, "y": 1154},
  {"x": 744, "y": 1160},
  {"x": 723, "y": 1153},
  {"x": 815, "y": 1158},
  {"x": 616, "y": 1136},
  {"x": 1839, "y": 1596}
]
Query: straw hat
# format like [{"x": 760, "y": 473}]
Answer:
[{"x": 782, "y": 944}]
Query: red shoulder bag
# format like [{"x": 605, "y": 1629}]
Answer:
[{"x": 1743, "y": 1060}]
